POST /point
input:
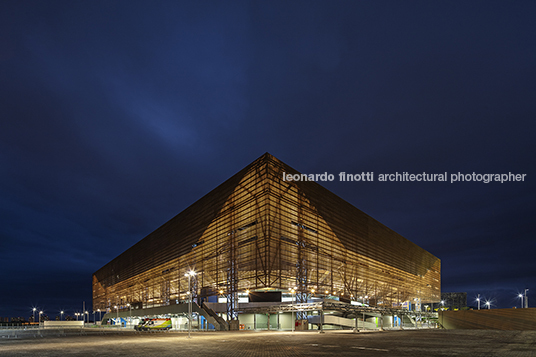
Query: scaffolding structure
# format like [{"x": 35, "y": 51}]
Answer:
[{"x": 260, "y": 232}]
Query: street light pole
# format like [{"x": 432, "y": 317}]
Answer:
[
  {"x": 478, "y": 300},
  {"x": 130, "y": 309},
  {"x": 292, "y": 291},
  {"x": 526, "y": 299},
  {"x": 117, "y": 312},
  {"x": 61, "y": 315},
  {"x": 189, "y": 306},
  {"x": 190, "y": 274},
  {"x": 34, "y": 313}
]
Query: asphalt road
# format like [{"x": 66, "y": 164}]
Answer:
[{"x": 255, "y": 343}]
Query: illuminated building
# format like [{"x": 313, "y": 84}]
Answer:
[{"x": 258, "y": 233}]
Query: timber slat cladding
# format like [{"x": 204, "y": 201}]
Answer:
[{"x": 275, "y": 234}]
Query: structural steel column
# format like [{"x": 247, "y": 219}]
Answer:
[{"x": 232, "y": 274}]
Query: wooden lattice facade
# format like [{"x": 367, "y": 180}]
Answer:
[{"x": 258, "y": 232}]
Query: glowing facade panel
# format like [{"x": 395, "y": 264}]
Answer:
[{"x": 257, "y": 232}]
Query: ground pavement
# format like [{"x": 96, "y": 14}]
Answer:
[{"x": 413, "y": 343}]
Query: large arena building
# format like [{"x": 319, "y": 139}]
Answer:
[{"x": 259, "y": 239}]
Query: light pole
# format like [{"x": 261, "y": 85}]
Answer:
[
  {"x": 488, "y": 304},
  {"x": 478, "y": 301},
  {"x": 521, "y": 296},
  {"x": 61, "y": 315},
  {"x": 190, "y": 274},
  {"x": 442, "y": 304},
  {"x": 99, "y": 314},
  {"x": 130, "y": 318},
  {"x": 526, "y": 299},
  {"x": 34, "y": 313},
  {"x": 292, "y": 291},
  {"x": 87, "y": 314},
  {"x": 40, "y": 312}
]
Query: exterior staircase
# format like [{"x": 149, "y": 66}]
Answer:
[{"x": 213, "y": 318}]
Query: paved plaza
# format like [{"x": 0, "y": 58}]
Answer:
[{"x": 272, "y": 343}]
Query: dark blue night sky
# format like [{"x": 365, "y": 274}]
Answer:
[{"x": 117, "y": 115}]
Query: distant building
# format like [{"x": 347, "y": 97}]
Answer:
[{"x": 454, "y": 301}]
